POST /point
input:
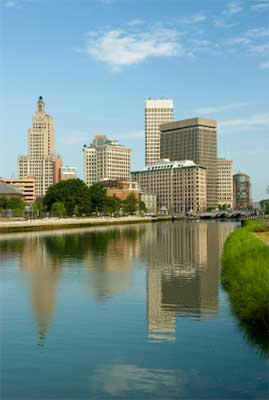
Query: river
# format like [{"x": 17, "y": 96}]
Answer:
[{"x": 131, "y": 312}]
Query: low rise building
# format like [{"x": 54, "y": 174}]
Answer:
[
  {"x": 68, "y": 173},
  {"x": 120, "y": 189},
  {"x": 9, "y": 191},
  {"x": 26, "y": 186},
  {"x": 180, "y": 186},
  {"x": 150, "y": 201}
]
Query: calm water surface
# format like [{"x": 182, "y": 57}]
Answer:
[{"x": 132, "y": 312}]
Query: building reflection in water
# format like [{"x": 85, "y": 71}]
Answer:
[
  {"x": 42, "y": 277},
  {"x": 109, "y": 261},
  {"x": 183, "y": 269}
]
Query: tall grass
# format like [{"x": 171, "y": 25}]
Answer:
[{"x": 245, "y": 275}]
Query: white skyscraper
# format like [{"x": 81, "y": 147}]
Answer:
[
  {"x": 157, "y": 112},
  {"x": 42, "y": 162}
]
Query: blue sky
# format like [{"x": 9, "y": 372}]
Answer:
[{"x": 96, "y": 61}]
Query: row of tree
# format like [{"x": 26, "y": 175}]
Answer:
[
  {"x": 73, "y": 197},
  {"x": 12, "y": 204}
]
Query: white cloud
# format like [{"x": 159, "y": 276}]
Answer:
[
  {"x": 258, "y": 32},
  {"x": 131, "y": 135},
  {"x": 219, "y": 109},
  {"x": 135, "y": 22},
  {"x": 194, "y": 19},
  {"x": 120, "y": 47},
  {"x": 260, "y": 6},
  {"x": 264, "y": 65},
  {"x": 234, "y": 7},
  {"x": 75, "y": 138},
  {"x": 259, "y": 49},
  {"x": 254, "y": 120}
]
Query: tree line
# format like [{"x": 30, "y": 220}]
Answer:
[{"x": 74, "y": 197}]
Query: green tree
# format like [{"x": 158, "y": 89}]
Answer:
[
  {"x": 98, "y": 197},
  {"x": 130, "y": 204},
  {"x": 3, "y": 203},
  {"x": 76, "y": 210},
  {"x": 16, "y": 205},
  {"x": 142, "y": 206},
  {"x": 72, "y": 192},
  {"x": 38, "y": 206},
  {"x": 112, "y": 205},
  {"x": 58, "y": 209}
]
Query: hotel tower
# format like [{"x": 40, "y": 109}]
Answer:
[{"x": 42, "y": 162}]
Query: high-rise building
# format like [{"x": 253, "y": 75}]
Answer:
[
  {"x": 193, "y": 139},
  {"x": 42, "y": 162},
  {"x": 225, "y": 182},
  {"x": 26, "y": 186},
  {"x": 180, "y": 186},
  {"x": 106, "y": 159},
  {"x": 157, "y": 112},
  {"x": 242, "y": 191},
  {"x": 68, "y": 173}
]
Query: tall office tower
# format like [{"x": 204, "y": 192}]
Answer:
[
  {"x": 157, "y": 112},
  {"x": 225, "y": 182},
  {"x": 42, "y": 162},
  {"x": 193, "y": 139},
  {"x": 106, "y": 159},
  {"x": 242, "y": 191}
]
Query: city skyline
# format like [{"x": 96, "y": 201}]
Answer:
[{"x": 211, "y": 59}]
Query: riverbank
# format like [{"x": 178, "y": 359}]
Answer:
[
  {"x": 45, "y": 224},
  {"x": 245, "y": 274}
]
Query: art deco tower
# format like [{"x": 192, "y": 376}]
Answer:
[{"x": 41, "y": 162}]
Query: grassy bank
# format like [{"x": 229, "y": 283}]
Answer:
[{"x": 245, "y": 275}]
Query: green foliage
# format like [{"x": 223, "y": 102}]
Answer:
[
  {"x": 112, "y": 205},
  {"x": 245, "y": 275},
  {"x": 3, "y": 203},
  {"x": 15, "y": 204},
  {"x": 38, "y": 206},
  {"x": 98, "y": 197},
  {"x": 142, "y": 206},
  {"x": 72, "y": 192},
  {"x": 76, "y": 210},
  {"x": 58, "y": 209},
  {"x": 130, "y": 204}
]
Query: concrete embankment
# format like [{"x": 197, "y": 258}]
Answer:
[{"x": 46, "y": 224}]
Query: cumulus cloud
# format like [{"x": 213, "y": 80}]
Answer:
[
  {"x": 254, "y": 120},
  {"x": 234, "y": 7},
  {"x": 260, "y": 6},
  {"x": 193, "y": 19},
  {"x": 218, "y": 109},
  {"x": 264, "y": 65},
  {"x": 131, "y": 135},
  {"x": 121, "y": 47},
  {"x": 75, "y": 138}
]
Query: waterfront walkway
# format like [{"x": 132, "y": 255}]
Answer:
[{"x": 65, "y": 223}]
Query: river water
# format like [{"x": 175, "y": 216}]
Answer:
[{"x": 131, "y": 312}]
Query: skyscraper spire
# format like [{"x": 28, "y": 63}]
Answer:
[{"x": 40, "y": 104}]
